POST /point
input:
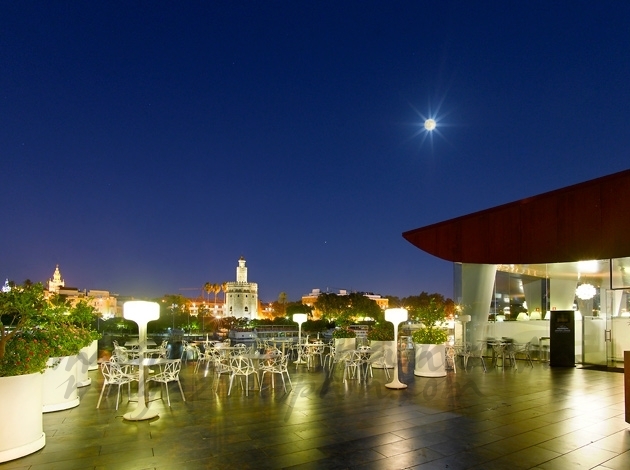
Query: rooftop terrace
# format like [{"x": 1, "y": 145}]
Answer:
[{"x": 540, "y": 417}]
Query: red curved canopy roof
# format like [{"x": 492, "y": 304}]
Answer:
[{"x": 586, "y": 221}]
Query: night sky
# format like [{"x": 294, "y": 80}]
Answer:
[{"x": 146, "y": 146}]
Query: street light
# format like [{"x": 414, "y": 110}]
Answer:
[
  {"x": 299, "y": 318},
  {"x": 173, "y": 307},
  {"x": 142, "y": 313},
  {"x": 396, "y": 316}
]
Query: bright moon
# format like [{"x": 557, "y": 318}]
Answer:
[{"x": 429, "y": 124}]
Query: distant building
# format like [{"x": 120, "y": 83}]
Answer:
[
  {"x": 311, "y": 298},
  {"x": 106, "y": 304},
  {"x": 241, "y": 297},
  {"x": 56, "y": 282}
]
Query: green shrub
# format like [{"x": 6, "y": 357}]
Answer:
[
  {"x": 381, "y": 332},
  {"x": 343, "y": 333},
  {"x": 432, "y": 317},
  {"x": 435, "y": 335}
]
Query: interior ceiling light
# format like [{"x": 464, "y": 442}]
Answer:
[{"x": 591, "y": 266}]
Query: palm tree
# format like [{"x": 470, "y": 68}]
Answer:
[
  {"x": 208, "y": 288},
  {"x": 216, "y": 289},
  {"x": 224, "y": 288}
]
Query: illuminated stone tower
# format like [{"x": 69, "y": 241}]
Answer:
[
  {"x": 241, "y": 299},
  {"x": 56, "y": 282}
]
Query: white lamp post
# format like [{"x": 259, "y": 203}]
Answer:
[
  {"x": 142, "y": 313},
  {"x": 299, "y": 318},
  {"x": 396, "y": 316}
]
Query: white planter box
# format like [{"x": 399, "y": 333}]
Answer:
[
  {"x": 430, "y": 360},
  {"x": 60, "y": 384},
  {"x": 87, "y": 362},
  {"x": 21, "y": 431},
  {"x": 383, "y": 354}
]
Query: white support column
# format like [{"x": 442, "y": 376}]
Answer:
[
  {"x": 533, "y": 297},
  {"x": 562, "y": 293},
  {"x": 477, "y": 288}
]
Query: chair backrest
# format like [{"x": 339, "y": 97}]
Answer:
[
  {"x": 241, "y": 365},
  {"x": 171, "y": 370},
  {"x": 106, "y": 369},
  {"x": 120, "y": 354},
  {"x": 353, "y": 357},
  {"x": 284, "y": 362},
  {"x": 214, "y": 353},
  {"x": 114, "y": 373}
]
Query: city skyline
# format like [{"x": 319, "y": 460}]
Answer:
[
  {"x": 145, "y": 150},
  {"x": 191, "y": 293}
]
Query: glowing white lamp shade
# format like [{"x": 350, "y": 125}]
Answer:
[
  {"x": 300, "y": 318},
  {"x": 535, "y": 316},
  {"x": 585, "y": 291},
  {"x": 142, "y": 313},
  {"x": 396, "y": 316},
  {"x": 522, "y": 317}
]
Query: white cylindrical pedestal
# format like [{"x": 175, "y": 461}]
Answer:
[
  {"x": 60, "y": 384},
  {"x": 21, "y": 432}
]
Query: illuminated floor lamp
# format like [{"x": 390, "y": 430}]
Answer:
[
  {"x": 299, "y": 318},
  {"x": 396, "y": 316},
  {"x": 142, "y": 313}
]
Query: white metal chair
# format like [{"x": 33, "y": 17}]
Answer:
[
  {"x": 475, "y": 353},
  {"x": 188, "y": 348},
  {"x": 242, "y": 367},
  {"x": 122, "y": 354},
  {"x": 365, "y": 353},
  {"x": 116, "y": 374},
  {"x": 169, "y": 372},
  {"x": 524, "y": 349},
  {"x": 305, "y": 353},
  {"x": 317, "y": 349},
  {"x": 221, "y": 365},
  {"x": 278, "y": 364},
  {"x": 330, "y": 356},
  {"x": 450, "y": 358},
  {"x": 201, "y": 357},
  {"x": 163, "y": 349},
  {"x": 352, "y": 365}
]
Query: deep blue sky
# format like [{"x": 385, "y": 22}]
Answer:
[{"x": 146, "y": 146}]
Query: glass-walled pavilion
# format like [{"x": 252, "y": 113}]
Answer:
[{"x": 567, "y": 249}]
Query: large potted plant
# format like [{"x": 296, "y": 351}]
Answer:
[
  {"x": 69, "y": 330},
  {"x": 24, "y": 350},
  {"x": 345, "y": 340},
  {"x": 430, "y": 352},
  {"x": 382, "y": 344}
]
